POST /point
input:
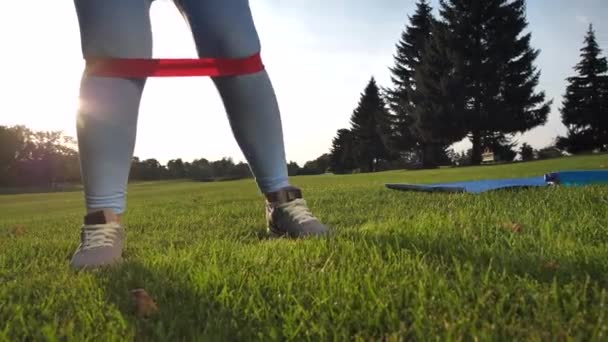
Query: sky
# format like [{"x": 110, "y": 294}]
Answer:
[{"x": 320, "y": 55}]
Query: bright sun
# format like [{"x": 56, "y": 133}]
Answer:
[
  {"x": 49, "y": 105},
  {"x": 41, "y": 84}
]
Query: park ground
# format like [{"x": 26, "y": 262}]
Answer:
[{"x": 528, "y": 264}]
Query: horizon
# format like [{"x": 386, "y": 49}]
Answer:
[{"x": 198, "y": 127}]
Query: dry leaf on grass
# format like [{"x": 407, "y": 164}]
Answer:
[
  {"x": 513, "y": 227},
  {"x": 18, "y": 230},
  {"x": 551, "y": 265},
  {"x": 144, "y": 304}
]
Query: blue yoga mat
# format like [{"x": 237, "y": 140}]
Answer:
[{"x": 566, "y": 178}]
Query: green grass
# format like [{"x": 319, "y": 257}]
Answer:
[{"x": 398, "y": 265}]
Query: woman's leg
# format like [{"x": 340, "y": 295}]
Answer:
[
  {"x": 107, "y": 117},
  {"x": 107, "y": 122},
  {"x": 225, "y": 29}
]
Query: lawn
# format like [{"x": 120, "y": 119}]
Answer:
[{"x": 528, "y": 264}]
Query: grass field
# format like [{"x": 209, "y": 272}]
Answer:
[{"x": 529, "y": 264}]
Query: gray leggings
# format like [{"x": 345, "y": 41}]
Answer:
[{"x": 107, "y": 118}]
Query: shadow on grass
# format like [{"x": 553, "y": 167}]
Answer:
[
  {"x": 447, "y": 250},
  {"x": 185, "y": 312}
]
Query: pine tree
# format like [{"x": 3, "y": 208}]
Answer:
[
  {"x": 341, "y": 157},
  {"x": 497, "y": 65},
  {"x": 585, "y": 111},
  {"x": 370, "y": 128},
  {"x": 437, "y": 100},
  {"x": 408, "y": 55}
]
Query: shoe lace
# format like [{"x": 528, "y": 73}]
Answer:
[
  {"x": 99, "y": 235},
  {"x": 298, "y": 210}
]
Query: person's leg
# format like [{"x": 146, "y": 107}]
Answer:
[
  {"x": 225, "y": 29},
  {"x": 107, "y": 117},
  {"x": 107, "y": 122}
]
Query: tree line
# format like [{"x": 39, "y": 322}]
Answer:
[
  {"x": 46, "y": 159},
  {"x": 41, "y": 159},
  {"x": 468, "y": 74},
  {"x": 29, "y": 158}
]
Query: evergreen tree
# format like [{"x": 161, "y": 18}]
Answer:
[
  {"x": 341, "y": 157},
  {"x": 496, "y": 61},
  {"x": 585, "y": 110},
  {"x": 437, "y": 101},
  {"x": 370, "y": 128},
  {"x": 408, "y": 56}
]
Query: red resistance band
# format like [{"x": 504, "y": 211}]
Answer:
[{"x": 139, "y": 67}]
